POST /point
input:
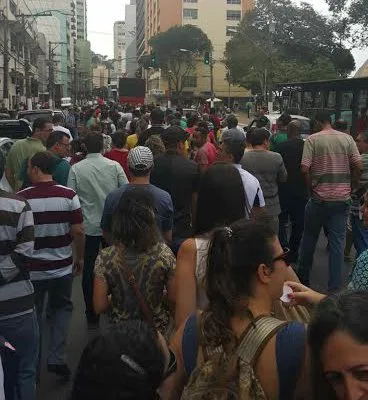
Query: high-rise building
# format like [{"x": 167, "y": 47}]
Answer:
[
  {"x": 219, "y": 19},
  {"x": 140, "y": 27},
  {"x": 82, "y": 19},
  {"x": 131, "y": 42},
  {"x": 119, "y": 48}
]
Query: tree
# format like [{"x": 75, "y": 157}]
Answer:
[
  {"x": 298, "y": 44},
  {"x": 175, "y": 52}
]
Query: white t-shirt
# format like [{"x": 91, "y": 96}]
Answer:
[
  {"x": 65, "y": 130},
  {"x": 252, "y": 188}
]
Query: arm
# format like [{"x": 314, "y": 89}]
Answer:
[
  {"x": 10, "y": 177},
  {"x": 122, "y": 178},
  {"x": 167, "y": 223},
  {"x": 100, "y": 295},
  {"x": 356, "y": 163},
  {"x": 186, "y": 283},
  {"x": 282, "y": 175},
  {"x": 24, "y": 237},
  {"x": 77, "y": 232},
  {"x": 72, "y": 179}
]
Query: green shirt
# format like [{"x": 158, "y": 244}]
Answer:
[
  {"x": 277, "y": 138},
  {"x": 21, "y": 151}
]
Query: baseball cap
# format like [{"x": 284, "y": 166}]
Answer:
[
  {"x": 233, "y": 135},
  {"x": 140, "y": 159},
  {"x": 174, "y": 134}
]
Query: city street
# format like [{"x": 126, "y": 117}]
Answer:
[{"x": 53, "y": 389}]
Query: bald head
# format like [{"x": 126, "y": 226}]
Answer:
[{"x": 293, "y": 129}]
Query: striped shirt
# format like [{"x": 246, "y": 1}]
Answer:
[
  {"x": 55, "y": 208},
  {"x": 16, "y": 245},
  {"x": 330, "y": 155}
]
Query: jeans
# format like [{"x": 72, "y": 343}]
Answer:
[
  {"x": 20, "y": 366},
  {"x": 334, "y": 216},
  {"x": 360, "y": 235},
  {"x": 59, "y": 313},
  {"x": 292, "y": 207},
  {"x": 92, "y": 248}
]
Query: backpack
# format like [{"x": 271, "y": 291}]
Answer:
[{"x": 211, "y": 379}]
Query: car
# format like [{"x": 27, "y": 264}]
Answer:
[
  {"x": 15, "y": 129},
  {"x": 32, "y": 115},
  {"x": 5, "y": 146},
  {"x": 4, "y": 116},
  {"x": 306, "y": 123}
]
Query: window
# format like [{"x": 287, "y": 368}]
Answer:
[
  {"x": 190, "y": 13},
  {"x": 231, "y": 30},
  {"x": 190, "y": 1},
  {"x": 233, "y": 15},
  {"x": 190, "y": 81},
  {"x": 233, "y": 1}
]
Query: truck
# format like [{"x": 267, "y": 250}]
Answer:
[{"x": 132, "y": 90}]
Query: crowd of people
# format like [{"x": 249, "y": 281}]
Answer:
[{"x": 186, "y": 230}]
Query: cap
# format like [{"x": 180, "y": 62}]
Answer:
[
  {"x": 140, "y": 158},
  {"x": 174, "y": 134},
  {"x": 233, "y": 135}
]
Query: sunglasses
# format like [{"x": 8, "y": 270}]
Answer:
[
  {"x": 172, "y": 365},
  {"x": 285, "y": 256}
]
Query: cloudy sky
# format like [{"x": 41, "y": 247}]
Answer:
[{"x": 103, "y": 14}]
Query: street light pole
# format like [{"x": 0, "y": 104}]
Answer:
[{"x": 212, "y": 83}]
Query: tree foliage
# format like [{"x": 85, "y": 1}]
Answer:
[
  {"x": 168, "y": 50},
  {"x": 302, "y": 46}
]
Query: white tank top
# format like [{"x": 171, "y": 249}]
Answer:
[{"x": 202, "y": 246}]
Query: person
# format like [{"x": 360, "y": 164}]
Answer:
[
  {"x": 69, "y": 121},
  {"x": 137, "y": 249},
  {"x": 329, "y": 157},
  {"x": 136, "y": 129},
  {"x": 58, "y": 144},
  {"x": 232, "y": 151},
  {"x": 130, "y": 361},
  {"x": 223, "y": 183},
  {"x": 58, "y": 120},
  {"x": 25, "y": 148},
  {"x": 205, "y": 152},
  {"x": 157, "y": 128},
  {"x": 140, "y": 164},
  {"x": 58, "y": 225},
  {"x": 359, "y": 230},
  {"x": 93, "y": 179},
  {"x": 362, "y": 123},
  {"x": 119, "y": 153},
  {"x": 268, "y": 167},
  {"x": 231, "y": 123},
  {"x": 342, "y": 126},
  {"x": 78, "y": 151},
  {"x": 245, "y": 274},
  {"x": 108, "y": 127},
  {"x": 156, "y": 145},
  {"x": 178, "y": 176},
  {"x": 18, "y": 320},
  {"x": 281, "y": 134},
  {"x": 293, "y": 193},
  {"x": 92, "y": 119}
]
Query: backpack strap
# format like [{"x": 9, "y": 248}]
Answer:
[{"x": 257, "y": 336}]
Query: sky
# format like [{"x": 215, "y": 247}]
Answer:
[{"x": 103, "y": 14}]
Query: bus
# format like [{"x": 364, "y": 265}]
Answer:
[{"x": 344, "y": 98}]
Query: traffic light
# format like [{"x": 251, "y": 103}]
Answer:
[
  {"x": 207, "y": 58},
  {"x": 153, "y": 60}
]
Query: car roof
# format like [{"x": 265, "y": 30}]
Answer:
[{"x": 42, "y": 111}]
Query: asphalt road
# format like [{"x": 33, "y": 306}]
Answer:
[{"x": 51, "y": 388}]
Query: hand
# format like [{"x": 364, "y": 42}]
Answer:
[
  {"x": 78, "y": 267},
  {"x": 303, "y": 295}
]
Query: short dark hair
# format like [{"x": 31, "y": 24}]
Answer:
[
  {"x": 94, "y": 142},
  {"x": 236, "y": 149},
  {"x": 202, "y": 127},
  {"x": 119, "y": 139},
  {"x": 45, "y": 161},
  {"x": 157, "y": 116},
  {"x": 192, "y": 120},
  {"x": 258, "y": 136},
  {"x": 284, "y": 119},
  {"x": 323, "y": 116},
  {"x": 126, "y": 362},
  {"x": 232, "y": 121},
  {"x": 171, "y": 137},
  {"x": 55, "y": 137},
  {"x": 40, "y": 124},
  {"x": 340, "y": 125},
  {"x": 57, "y": 118},
  {"x": 135, "y": 224}
]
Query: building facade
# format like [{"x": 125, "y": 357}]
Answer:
[
  {"x": 219, "y": 19},
  {"x": 140, "y": 27},
  {"x": 81, "y": 11},
  {"x": 131, "y": 42},
  {"x": 119, "y": 48}
]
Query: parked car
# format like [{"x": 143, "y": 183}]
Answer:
[
  {"x": 4, "y": 116},
  {"x": 15, "y": 129},
  {"x": 32, "y": 115}
]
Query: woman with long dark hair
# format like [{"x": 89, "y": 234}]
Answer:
[
  {"x": 245, "y": 274},
  {"x": 221, "y": 201},
  {"x": 138, "y": 256}
]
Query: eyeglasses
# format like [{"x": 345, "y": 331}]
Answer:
[
  {"x": 173, "y": 364},
  {"x": 285, "y": 256}
]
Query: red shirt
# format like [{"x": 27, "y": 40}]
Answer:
[
  {"x": 206, "y": 155},
  {"x": 121, "y": 157}
]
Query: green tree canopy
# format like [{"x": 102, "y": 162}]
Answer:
[
  {"x": 175, "y": 52},
  {"x": 295, "y": 44}
]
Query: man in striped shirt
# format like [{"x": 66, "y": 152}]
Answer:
[
  {"x": 331, "y": 163},
  {"x": 58, "y": 222},
  {"x": 18, "y": 321}
]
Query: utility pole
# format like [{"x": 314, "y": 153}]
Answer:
[
  {"x": 51, "y": 76},
  {"x": 211, "y": 74},
  {"x": 6, "y": 61},
  {"x": 26, "y": 65}
]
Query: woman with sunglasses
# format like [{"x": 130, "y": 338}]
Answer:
[
  {"x": 130, "y": 362},
  {"x": 245, "y": 275}
]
